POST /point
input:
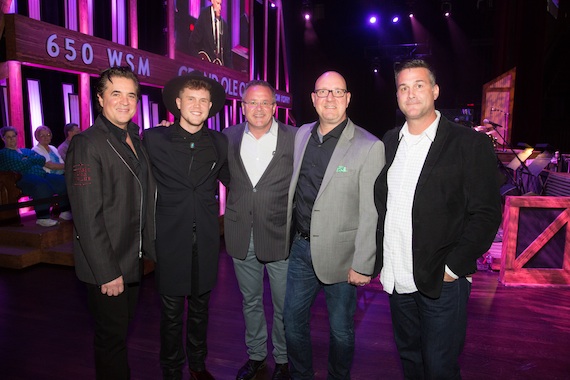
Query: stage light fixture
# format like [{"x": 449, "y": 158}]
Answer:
[
  {"x": 411, "y": 15},
  {"x": 372, "y": 20},
  {"x": 307, "y": 16},
  {"x": 446, "y": 8},
  {"x": 395, "y": 19}
]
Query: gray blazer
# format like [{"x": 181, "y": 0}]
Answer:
[
  {"x": 262, "y": 208},
  {"x": 344, "y": 219}
]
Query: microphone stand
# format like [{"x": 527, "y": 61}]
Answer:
[
  {"x": 516, "y": 180},
  {"x": 506, "y": 126}
]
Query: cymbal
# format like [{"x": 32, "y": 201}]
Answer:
[{"x": 483, "y": 128}]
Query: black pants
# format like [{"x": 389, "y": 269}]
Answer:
[
  {"x": 172, "y": 356},
  {"x": 112, "y": 317}
]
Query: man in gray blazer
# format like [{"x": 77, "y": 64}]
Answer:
[
  {"x": 331, "y": 198},
  {"x": 260, "y": 159}
]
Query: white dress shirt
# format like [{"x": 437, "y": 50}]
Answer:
[
  {"x": 256, "y": 154},
  {"x": 397, "y": 271}
]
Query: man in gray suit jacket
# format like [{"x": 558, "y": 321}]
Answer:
[
  {"x": 260, "y": 159},
  {"x": 334, "y": 248}
]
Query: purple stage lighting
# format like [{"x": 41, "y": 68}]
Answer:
[
  {"x": 395, "y": 19},
  {"x": 273, "y": 5},
  {"x": 411, "y": 15},
  {"x": 372, "y": 19},
  {"x": 447, "y": 14},
  {"x": 307, "y": 16}
]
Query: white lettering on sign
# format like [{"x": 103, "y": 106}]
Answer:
[
  {"x": 116, "y": 59},
  {"x": 53, "y": 49}
]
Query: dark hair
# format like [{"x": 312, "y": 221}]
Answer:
[
  {"x": 68, "y": 127},
  {"x": 115, "y": 72},
  {"x": 415, "y": 64},
  {"x": 7, "y": 129},
  {"x": 261, "y": 83}
]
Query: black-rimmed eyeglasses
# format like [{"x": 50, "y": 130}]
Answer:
[{"x": 337, "y": 92}]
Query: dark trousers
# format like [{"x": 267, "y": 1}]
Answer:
[
  {"x": 172, "y": 355},
  {"x": 430, "y": 333},
  {"x": 112, "y": 317}
]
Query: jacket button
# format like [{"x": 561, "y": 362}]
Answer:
[{"x": 255, "y": 190}]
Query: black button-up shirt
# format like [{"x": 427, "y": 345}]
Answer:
[
  {"x": 197, "y": 152},
  {"x": 315, "y": 161},
  {"x": 137, "y": 161}
]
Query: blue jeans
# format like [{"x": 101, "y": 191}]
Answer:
[
  {"x": 44, "y": 187},
  {"x": 430, "y": 333},
  {"x": 302, "y": 289}
]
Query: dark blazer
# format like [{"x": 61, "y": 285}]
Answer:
[
  {"x": 457, "y": 206},
  {"x": 263, "y": 207},
  {"x": 106, "y": 200},
  {"x": 180, "y": 203},
  {"x": 202, "y": 38}
]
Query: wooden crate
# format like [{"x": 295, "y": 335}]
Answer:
[{"x": 536, "y": 241}]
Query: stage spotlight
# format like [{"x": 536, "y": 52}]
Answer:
[
  {"x": 446, "y": 8},
  {"x": 411, "y": 15},
  {"x": 307, "y": 16},
  {"x": 372, "y": 19},
  {"x": 273, "y": 5},
  {"x": 395, "y": 19}
]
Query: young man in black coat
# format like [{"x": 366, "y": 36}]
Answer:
[{"x": 187, "y": 160}]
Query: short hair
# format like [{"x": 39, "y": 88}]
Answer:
[
  {"x": 261, "y": 83},
  {"x": 39, "y": 129},
  {"x": 194, "y": 83},
  {"x": 7, "y": 129},
  {"x": 68, "y": 127},
  {"x": 115, "y": 72},
  {"x": 415, "y": 64}
]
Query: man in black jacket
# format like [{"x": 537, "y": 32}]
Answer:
[
  {"x": 439, "y": 209},
  {"x": 112, "y": 194},
  {"x": 187, "y": 160}
]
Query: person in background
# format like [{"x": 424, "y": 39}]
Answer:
[
  {"x": 35, "y": 181},
  {"x": 439, "y": 208},
  {"x": 69, "y": 130},
  {"x": 255, "y": 226},
  {"x": 210, "y": 40},
  {"x": 112, "y": 192},
  {"x": 54, "y": 163},
  {"x": 187, "y": 160},
  {"x": 331, "y": 199}
]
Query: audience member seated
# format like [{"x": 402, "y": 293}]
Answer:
[
  {"x": 69, "y": 130},
  {"x": 35, "y": 182},
  {"x": 54, "y": 163}
]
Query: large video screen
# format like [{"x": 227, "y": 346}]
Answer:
[{"x": 215, "y": 31}]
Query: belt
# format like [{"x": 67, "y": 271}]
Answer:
[{"x": 305, "y": 236}]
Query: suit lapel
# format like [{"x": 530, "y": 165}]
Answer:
[
  {"x": 343, "y": 145},
  {"x": 434, "y": 152},
  {"x": 236, "y": 138},
  {"x": 282, "y": 136}
]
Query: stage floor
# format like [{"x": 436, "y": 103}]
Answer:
[{"x": 46, "y": 331}]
